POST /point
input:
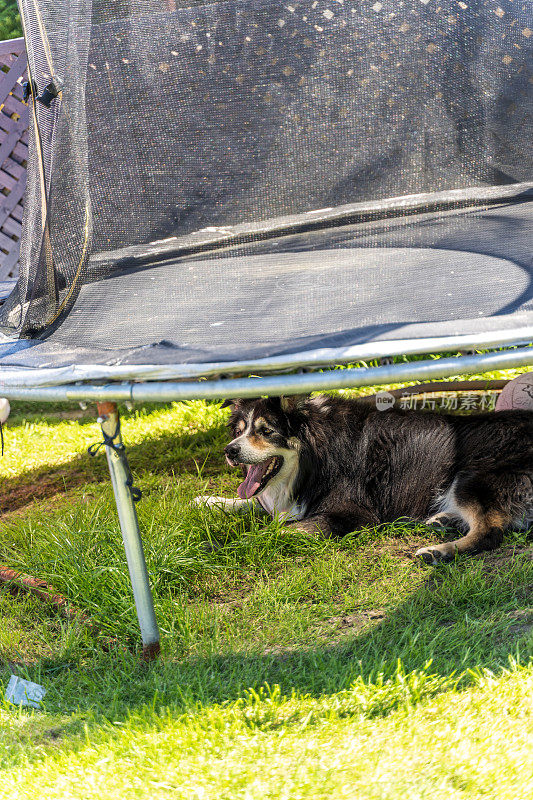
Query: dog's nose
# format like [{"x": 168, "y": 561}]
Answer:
[{"x": 232, "y": 450}]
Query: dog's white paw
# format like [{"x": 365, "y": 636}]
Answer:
[
  {"x": 209, "y": 500},
  {"x": 230, "y": 504},
  {"x": 436, "y": 555}
]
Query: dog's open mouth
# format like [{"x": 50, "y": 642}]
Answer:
[{"x": 258, "y": 476}]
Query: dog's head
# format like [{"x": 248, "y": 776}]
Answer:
[{"x": 264, "y": 441}]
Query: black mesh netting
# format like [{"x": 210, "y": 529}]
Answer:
[{"x": 226, "y": 180}]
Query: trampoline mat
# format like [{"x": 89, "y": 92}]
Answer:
[{"x": 428, "y": 275}]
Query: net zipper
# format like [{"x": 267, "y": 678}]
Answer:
[
  {"x": 53, "y": 90},
  {"x": 51, "y": 282}
]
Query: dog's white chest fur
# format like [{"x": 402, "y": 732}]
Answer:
[
  {"x": 277, "y": 502},
  {"x": 277, "y": 497}
]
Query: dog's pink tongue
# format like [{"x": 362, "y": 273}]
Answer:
[{"x": 252, "y": 482}]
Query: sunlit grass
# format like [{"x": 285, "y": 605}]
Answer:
[{"x": 292, "y": 666}]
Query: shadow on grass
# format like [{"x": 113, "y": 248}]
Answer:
[
  {"x": 165, "y": 454},
  {"x": 469, "y": 616}
]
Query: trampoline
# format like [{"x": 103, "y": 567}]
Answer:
[{"x": 231, "y": 198}]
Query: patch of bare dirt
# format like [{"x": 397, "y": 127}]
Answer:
[
  {"x": 526, "y": 591},
  {"x": 333, "y": 631},
  {"x": 501, "y": 557},
  {"x": 523, "y": 622},
  {"x": 402, "y": 549},
  {"x": 336, "y": 628},
  {"x": 76, "y": 413}
]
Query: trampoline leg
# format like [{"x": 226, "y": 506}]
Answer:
[{"x": 129, "y": 526}]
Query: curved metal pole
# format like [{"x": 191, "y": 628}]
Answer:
[
  {"x": 164, "y": 392},
  {"x": 321, "y": 358}
]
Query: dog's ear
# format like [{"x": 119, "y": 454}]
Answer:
[
  {"x": 233, "y": 404},
  {"x": 293, "y": 403}
]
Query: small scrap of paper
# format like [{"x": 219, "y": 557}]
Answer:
[
  {"x": 24, "y": 693},
  {"x": 4, "y": 410}
]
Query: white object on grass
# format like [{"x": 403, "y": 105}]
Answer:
[
  {"x": 24, "y": 693},
  {"x": 5, "y": 408}
]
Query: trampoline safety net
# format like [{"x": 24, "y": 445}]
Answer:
[{"x": 213, "y": 182}]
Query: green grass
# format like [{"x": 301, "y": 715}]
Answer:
[{"x": 292, "y": 666}]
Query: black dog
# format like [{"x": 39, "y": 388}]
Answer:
[{"x": 334, "y": 465}]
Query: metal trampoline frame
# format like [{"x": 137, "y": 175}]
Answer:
[{"x": 108, "y": 395}]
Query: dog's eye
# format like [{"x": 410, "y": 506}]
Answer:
[{"x": 265, "y": 431}]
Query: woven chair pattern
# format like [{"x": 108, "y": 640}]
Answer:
[{"x": 13, "y": 153}]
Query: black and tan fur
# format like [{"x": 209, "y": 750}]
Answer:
[{"x": 344, "y": 465}]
